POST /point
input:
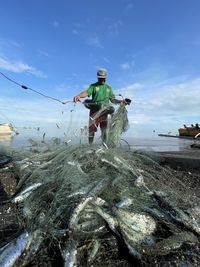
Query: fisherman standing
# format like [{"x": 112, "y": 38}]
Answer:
[{"x": 101, "y": 94}]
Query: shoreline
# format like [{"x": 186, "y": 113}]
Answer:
[{"x": 188, "y": 160}]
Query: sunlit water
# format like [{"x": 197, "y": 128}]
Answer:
[{"x": 156, "y": 143}]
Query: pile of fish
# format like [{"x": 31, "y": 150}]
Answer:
[{"x": 95, "y": 206}]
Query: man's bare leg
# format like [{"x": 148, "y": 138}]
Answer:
[
  {"x": 91, "y": 138},
  {"x": 104, "y": 135}
]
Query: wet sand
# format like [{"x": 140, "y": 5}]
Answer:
[{"x": 188, "y": 160}]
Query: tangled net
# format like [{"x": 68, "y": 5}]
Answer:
[{"x": 100, "y": 206}]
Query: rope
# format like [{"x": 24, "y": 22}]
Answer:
[{"x": 33, "y": 90}]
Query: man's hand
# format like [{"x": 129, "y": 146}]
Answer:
[
  {"x": 77, "y": 98},
  {"x": 127, "y": 101},
  {"x": 81, "y": 95},
  {"x": 122, "y": 102}
]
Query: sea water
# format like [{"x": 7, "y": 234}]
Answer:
[{"x": 154, "y": 143}]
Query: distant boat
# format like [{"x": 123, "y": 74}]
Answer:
[
  {"x": 191, "y": 131},
  {"x": 187, "y": 132},
  {"x": 6, "y": 129}
]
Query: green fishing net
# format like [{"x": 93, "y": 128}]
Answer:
[{"x": 103, "y": 205}]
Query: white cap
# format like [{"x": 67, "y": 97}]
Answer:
[{"x": 102, "y": 73}]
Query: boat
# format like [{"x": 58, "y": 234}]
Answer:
[
  {"x": 6, "y": 129},
  {"x": 186, "y": 132},
  {"x": 191, "y": 131}
]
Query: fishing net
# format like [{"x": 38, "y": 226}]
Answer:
[{"x": 100, "y": 205}]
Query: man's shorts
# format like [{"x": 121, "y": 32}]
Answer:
[{"x": 101, "y": 121}]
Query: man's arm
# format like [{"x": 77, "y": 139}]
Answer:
[
  {"x": 81, "y": 95},
  {"x": 117, "y": 101}
]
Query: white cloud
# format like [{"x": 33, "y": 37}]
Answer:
[
  {"x": 125, "y": 66},
  {"x": 47, "y": 115},
  {"x": 75, "y": 32},
  {"x": 130, "y": 5},
  {"x": 129, "y": 90},
  {"x": 5, "y": 43},
  {"x": 20, "y": 67},
  {"x": 128, "y": 65},
  {"x": 114, "y": 28},
  {"x": 181, "y": 98},
  {"x": 55, "y": 24},
  {"x": 93, "y": 40},
  {"x": 138, "y": 119},
  {"x": 43, "y": 53},
  {"x": 15, "y": 44},
  {"x": 74, "y": 75},
  {"x": 20, "y": 110},
  {"x": 165, "y": 108}
]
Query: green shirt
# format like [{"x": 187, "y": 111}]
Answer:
[{"x": 100, "y": 93}]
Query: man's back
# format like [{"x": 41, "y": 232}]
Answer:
[{"x": 100, "y": 93}]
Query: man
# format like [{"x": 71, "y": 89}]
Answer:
[{"x": 101, "y": 94}]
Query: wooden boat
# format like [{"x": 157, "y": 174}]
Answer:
[
  {"x": 6, "y": 129},
  {"x": 191, "y": 131}
]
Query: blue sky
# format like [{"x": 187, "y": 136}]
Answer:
[{"x": 151, "y": 49}]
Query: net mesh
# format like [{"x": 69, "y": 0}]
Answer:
[{"x": 98, "y": 205}]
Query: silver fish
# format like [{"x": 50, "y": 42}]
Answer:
[
  {"x": 100, "y": 151},
  {"x": 91, "y": 228},
  {"x": 72, "y": 163},
  {"x": 22, "y": 195},
  {"x": 155, "y": 212},
  {"x": 111, "y": 221},
  {"x": 124, "y": 203},
  {"x": 78, "y": 209},
  {"x": 113, "y": 225},
  {"x": 93, "y": 251},
  {"x": 25, "y": 193},
  {"x": 133, "y": 237},
  {"x": 104, "y": 144},
  {"x": 97, "y": 189},
  {"x": 69, "y": 253},
  {"x": 109, "y": 163},
  {"x": 13, "y": 250},
  {"x": 139, "y": 182},
  {"x": 137, "y": 224},
  {"x": 175, "y": 214},
  {"x": 90, "y": 222},
  {"x": 32, "y": 246},
  {"x": 171, "y": 243},
  {"x": 81, "y": 191},
  {"x": 133, "y": 228}
]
